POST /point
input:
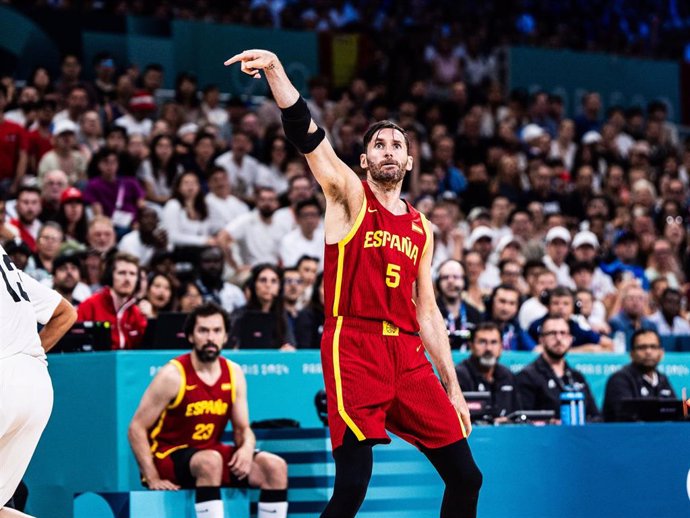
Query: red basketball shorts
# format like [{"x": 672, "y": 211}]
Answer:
[
  {"x": 379, "y": 379},
  {"x": 173, "y": 465}
]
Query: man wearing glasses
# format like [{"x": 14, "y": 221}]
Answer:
[
  {"x": 640, "y": 379},
  {"x": 541, "y": 383}
]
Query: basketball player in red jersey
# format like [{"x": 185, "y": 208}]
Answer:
[
  {"x": 381, "y": 313},
  {"x": 175, "y": 433}
]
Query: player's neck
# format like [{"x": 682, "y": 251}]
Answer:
[
  {"x": 388, "y": 196},
  {"x": 205, "y": 369}
]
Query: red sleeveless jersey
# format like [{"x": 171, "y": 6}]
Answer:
[
  {"x": 198, "y": 415},
  {"x": 370, "y": 274}
]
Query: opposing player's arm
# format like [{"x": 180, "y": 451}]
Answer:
[
  {"x": 433, "y": 332},
  {"x": 241, "y": 461},
  {"x": 334, "y": 176},
  {"x": 63, "y": 317},
  {"x": 54, "y": 312},
  {"x": 163, "y": 389}
]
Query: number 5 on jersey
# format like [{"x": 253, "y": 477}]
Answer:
[{"x": 393, "y": 275}]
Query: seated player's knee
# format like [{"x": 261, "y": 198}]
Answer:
[
  {"x": 275, "y": 470},
  {"x": 207, "y": 465}
]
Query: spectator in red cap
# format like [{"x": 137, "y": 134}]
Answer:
[
  {"x": 72, "y": 215},
  {"x": 141, "y": 107}
]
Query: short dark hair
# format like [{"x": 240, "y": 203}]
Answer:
[
  {"x": 207, "y": 309},
  {"x": 671, "y": 291},
  {"x": 28, "y": 188},
  {"x": 578, "y": 266},
  {"x": 640, "y": 332},
  {"x": 309, "y": 202},
  {"x": 381, "y": 125},
  {"x": 551, "y": 317},
  {"x": 307, "y": 258},
  {"x": 486, "y": 326}
]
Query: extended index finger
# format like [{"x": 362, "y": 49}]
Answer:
[{"x": 237, "y": 58}]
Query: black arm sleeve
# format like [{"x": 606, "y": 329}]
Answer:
[{"x": 296, "y": 120}]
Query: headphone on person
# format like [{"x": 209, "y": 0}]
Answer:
[{"x": 110, "y": 260}]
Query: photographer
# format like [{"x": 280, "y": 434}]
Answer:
[{"x": 459, "y": 316}]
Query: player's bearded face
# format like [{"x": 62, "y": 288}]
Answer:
[
  {"x": 386, "y": 170},
  {"x": 207, "y": 352}
]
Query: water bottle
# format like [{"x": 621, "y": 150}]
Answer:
[
  {"x": 619, "y": 345},
  {"x": 572, "y": 407}
]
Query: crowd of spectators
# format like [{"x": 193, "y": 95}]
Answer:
[{"x": 534, "y": 213}]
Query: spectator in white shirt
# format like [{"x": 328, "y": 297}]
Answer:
[
  {"x": 211, "y": 284},
  {"x": 557, "y": 242},
  {"x": 147, "y": 239},
  {"x": 667, "y": 319},
  {"x": 256, "y": 234},
  {"x": 273, "y": 173},
  {"x": 223, "y": 207},
  {"x": 300, "y": 188},
  {"x": 533, "y": 308},
  {"x": 210, "y": 106},
  {"x": 185, "y": 215},
  {"x": 241, "y": 167},
  {"x": 307, "y": 238},
  {"x": 141, "y": 107}
]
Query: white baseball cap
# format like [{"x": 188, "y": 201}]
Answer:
[
  {"x": 478, "y": 233},
  {"x": 65, "y": 126},
  {"x": 532, "y": 131},
  {"x": 585, "y": 237},
  {"x": 507, "y": 240},
  {"x": 558, "y": 233}
]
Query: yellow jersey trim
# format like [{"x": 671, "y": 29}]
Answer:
[
  {"x": 154, "y": 433},
  {"x": 160, "y": 455},
  {"x": 339, "y": 385},
  {"x": 183, "y": 384},
  {"x": 233, "y": 392},
  {"x": 428, "y": 234},
  {"x": 341, "y": 254}
]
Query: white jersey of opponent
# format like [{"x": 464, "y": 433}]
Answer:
[{"x": 23, "y": 303}]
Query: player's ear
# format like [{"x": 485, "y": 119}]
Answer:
[
  {"x": 410, "y": 162},
  {"x": 363, "y": 161}
]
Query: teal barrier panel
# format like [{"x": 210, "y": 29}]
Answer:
[
  {"x": 611, "y": 470},
  {"x": 85, "y": 447},
  {"x": 620, "y": 80}
]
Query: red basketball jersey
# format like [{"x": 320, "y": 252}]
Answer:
[
  {"x": 370, "y": 274},
  {"x": 198, "y": 415}
]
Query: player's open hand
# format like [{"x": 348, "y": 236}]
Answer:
[
  {"x": 241, "y": 463},
  {"x": 460, "y": 405},
  {"x": 254, "y": 60},
  {"x": 162, "y": 485}
]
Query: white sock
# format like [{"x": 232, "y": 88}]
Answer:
[
  {"x": 209, "y": 509},
  {"x": 272, "y": 510}
]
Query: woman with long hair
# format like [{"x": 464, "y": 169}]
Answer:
[
  {"x": 157, "y": 173},
  {"x": 159, "y": 296},
  {"x": 263, "y": 322},
  {"x": 185, "y": 215},
  {"x": 72, "y": 215}
]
